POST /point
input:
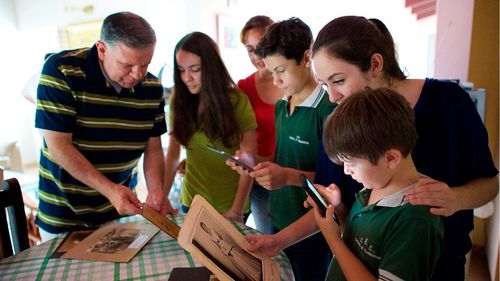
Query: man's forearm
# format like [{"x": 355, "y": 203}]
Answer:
[
  {"x": 171, "y": 162},
  {"x": 65, "y": 154},
  {"x": 154, "y": 164}
]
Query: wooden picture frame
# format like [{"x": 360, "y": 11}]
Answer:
[
  {"x": 80, "y": 35},
  {"x": 219, "y": 246}
]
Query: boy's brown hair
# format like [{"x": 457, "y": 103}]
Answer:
[{"x": 369, "y": 123}]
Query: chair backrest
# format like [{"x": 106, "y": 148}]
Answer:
[{"x": 13, "y": 230}]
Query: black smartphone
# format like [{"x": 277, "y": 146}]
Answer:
[
  {"x": 318, "y": 199},
  {"x": 235, "y": 160}
]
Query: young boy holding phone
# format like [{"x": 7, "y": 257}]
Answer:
[{"x": 373, "y": 133}]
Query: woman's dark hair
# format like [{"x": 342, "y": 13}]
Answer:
[
  {"x": 258, "y": 22},
  {"x": 367, "y": 124},
  {"x": 217, "y": 118},
  {"x": 355, "y": 39},
  {"x": 289, "y": 38}
]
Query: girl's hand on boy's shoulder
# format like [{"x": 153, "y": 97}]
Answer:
[{"x": 438, "y": 195}]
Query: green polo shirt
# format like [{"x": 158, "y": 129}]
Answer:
[
  {"x": 297, "y": 142},
  {"x": 394, "y": 240}
]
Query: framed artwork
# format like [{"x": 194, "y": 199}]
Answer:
[
  {"x": 79, "y": 35},
  {"x": 219, "y": 246},
  {"x": 227, "y": 32}
]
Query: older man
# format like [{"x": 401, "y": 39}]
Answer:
[{"x": 99, "y": 110}]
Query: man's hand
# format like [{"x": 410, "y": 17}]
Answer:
[
  {"x": 159, "y": 201},
  {"x": 124, "y": 200},
  {"x": 270, "y": 175},
  {"x": 267, "y": 244},
  {"x": 66, "y": 155},
  {"x": 438, "y": 195}
]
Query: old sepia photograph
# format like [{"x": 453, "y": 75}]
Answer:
[
  {"x": 218, "y": 245},
  {"x": 113, "y": 242},
  {"x": 224, "y": 251}
]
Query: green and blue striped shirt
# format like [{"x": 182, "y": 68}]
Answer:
[{"x": 110, "y": 129}]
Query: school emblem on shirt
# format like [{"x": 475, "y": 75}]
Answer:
[
  {"x": 298, "y": 140},
  {"x": 365, "y": 245}
]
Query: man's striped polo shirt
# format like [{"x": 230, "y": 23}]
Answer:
[{"x": 110, "y": 129}]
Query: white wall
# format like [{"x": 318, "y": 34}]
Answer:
[
  {"x": 31, "y": 28},
  {"x": 414, "y": 39},
  {"x": 453, "y": 39},
  {"x": 168, "y": 18},
  {"x": 21, "y": 53},
  {"x": 411, "y": 36}
]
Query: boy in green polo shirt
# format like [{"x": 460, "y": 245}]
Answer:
[
  {"x": 299, "y": 118},
  {"x": 373, "y": 133}
]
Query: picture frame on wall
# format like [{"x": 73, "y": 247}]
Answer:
[
  {"x": 227, "y": 32},
  {"x": 80, "y": 35}
]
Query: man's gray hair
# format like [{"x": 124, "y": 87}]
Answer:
[{"x": 129, "y": 29}]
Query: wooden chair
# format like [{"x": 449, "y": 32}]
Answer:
[{"x": 13, "y": 232}]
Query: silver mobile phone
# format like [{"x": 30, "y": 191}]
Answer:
[{"x": 235, "y": 160}]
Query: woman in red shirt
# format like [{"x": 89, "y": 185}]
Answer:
[{"x": 262, "y": 95}]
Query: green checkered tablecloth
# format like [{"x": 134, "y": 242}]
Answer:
[{"x": 154, "y": 262}]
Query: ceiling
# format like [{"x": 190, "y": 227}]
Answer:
[{"x": 421, "y": 8}]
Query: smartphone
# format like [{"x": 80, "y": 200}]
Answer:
[
  {"x": 235, "y": 160},
  {"x": 318, "y": 199}
]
